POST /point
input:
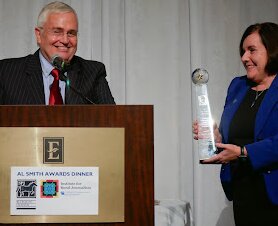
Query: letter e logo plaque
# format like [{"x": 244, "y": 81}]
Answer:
[{"x": 53, "y": 150}]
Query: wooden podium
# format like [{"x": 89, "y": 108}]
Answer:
[{"x": 137, "y": 122}]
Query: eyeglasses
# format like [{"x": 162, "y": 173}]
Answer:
[{"x": 58, "y": 32}]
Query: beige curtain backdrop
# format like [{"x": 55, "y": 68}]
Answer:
[{"x": 150, "y": 48}]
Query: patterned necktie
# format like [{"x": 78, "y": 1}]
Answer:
[{"x": 55, "y": 95}]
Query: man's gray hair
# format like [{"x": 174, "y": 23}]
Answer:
[{"x": 53, "y": 7}]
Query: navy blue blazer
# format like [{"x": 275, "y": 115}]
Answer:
[
  {"x": 263, "y": 153},
  {"x": 21, "y": 82}
]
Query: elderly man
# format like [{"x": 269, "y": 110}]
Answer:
[{"x": 32, "y": 80}]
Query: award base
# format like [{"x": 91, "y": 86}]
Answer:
[
  {"x": 218, "y": 150},
  {"x": 209, "y": 163}
]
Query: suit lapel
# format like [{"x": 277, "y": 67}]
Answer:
[
  {"x": 266, "y": 106},
  {"x": 237, "y": 96},
  {"x": 75, "y": 78},
  {"x": 34, "y": 79}
]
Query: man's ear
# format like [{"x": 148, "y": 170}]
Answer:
[{"x": 38, "y": 35}]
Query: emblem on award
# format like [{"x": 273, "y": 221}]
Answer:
[{"x": 206, "y": 142}]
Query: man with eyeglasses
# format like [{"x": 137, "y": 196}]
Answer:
[{"x": 28, "y": 80}]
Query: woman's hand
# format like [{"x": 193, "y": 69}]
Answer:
[
  {"x": 230, "y": 152},
  {"x": 195, "y": 130},
  {"x": 216, "y": 133}
]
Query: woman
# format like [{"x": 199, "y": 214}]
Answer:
[{"x": 249, "y": 131}]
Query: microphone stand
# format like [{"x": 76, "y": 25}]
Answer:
[{"x": 65, "y": 79}]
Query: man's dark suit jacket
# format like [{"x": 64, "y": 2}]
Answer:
[{"x": 21, "y": 82}]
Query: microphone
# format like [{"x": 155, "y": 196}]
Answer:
[
  {"x": 63, "y": 66},
  {"x": 59, "y": 63}
]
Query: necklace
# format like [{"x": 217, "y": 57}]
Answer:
[{"x": 258, "y": 94}]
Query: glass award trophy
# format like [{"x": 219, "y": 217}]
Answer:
[{"x": 206, "y": 142}]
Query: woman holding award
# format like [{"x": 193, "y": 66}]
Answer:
[{"x": 249, "y": 131}]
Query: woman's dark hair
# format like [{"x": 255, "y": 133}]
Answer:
[{"x": 269, "y": 35}]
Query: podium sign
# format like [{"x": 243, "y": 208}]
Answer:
[
  {"x": 54, "y": 191},
  {"x": 78, "y": 153},
  {"x": 130, "y": 125}
]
